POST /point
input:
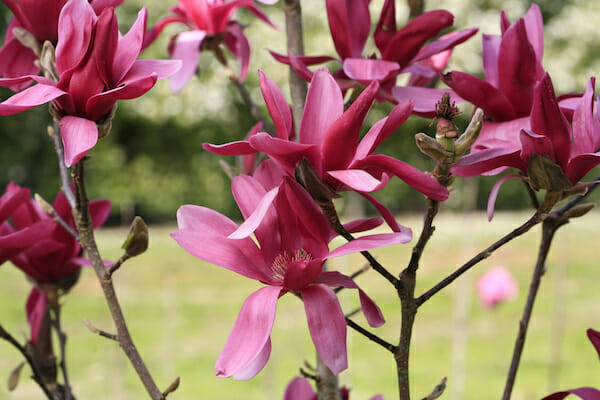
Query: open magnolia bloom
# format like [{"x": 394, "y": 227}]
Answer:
[
  {"x": 210, "y": 24},
  {"x": 553, "y": 155},
  {"x": 95, "y": 67},
  {"x": 329, "y": 139},
  {"x": 40, "y": 19},
  {"x": 585, "y": 393},
  {"x": 291, "y": 246},
  {"x": 402, "y": 50}
]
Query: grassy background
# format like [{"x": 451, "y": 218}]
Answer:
[{"x": 180, "y": 311}]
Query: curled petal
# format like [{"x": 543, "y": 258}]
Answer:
[
  {"x": 240, "y": 148},
  {"x": 594, "y": 337},
  {"x": 366, "y": 70},
  {"x": 494, "y": 194},
  {"x": 79, "y": 135},
  {"x": 359, "y": 180},
  {"x": 256, "y": 365},
  {"x": 187, "y": 49},
  {"x": 29, "y": 98},
  {"x": 238, "y": 44},
  {"x": 255, "y": 219},
  {"x": 277, "y": 105},
  {"x": 75, "y": 27},
  {"x": 585, "y": 393},
  {"x": 488, "y": 160},
  {"x": 371, "y": 242},
  {"x": 129, "y": 46},
  {"x": 36, "y": 309}
]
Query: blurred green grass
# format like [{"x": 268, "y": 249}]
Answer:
[{"x": 180, "y": 311}]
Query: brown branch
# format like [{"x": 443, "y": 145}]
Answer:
[
  {"x": 86, "y": 231},
  {"x": 99, "y": 331},
  {"x": 549, "y": 228},
  {"x": 371, "y": 336},
  {"x": 62, "y": 342}
]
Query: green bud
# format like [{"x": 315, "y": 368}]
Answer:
[
  {"x": 137, "y": 238},
  {"x": 546, "y": 174}
]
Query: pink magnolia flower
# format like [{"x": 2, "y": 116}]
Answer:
[
  {"x": 329, "y": 139},
  {"x": 40, "y": 18},
  {"x": 291, "y": 247},
  {"x": 96, "y": 66},
  {"x": 573, "y": 149},
  {"x": 210, "y": 23},
  {"x": 496, "y": 286},
  {"x": 13, "y": 242},
  {"x": 56, "y": 258},
  {"x": 402, "y": 50},
  {"x": 585, "y": 393},
  {"x": 300, "y": 389}
]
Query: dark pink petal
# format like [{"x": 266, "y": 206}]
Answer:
[
  {"x": 424, "y": 99},
  {"x": 249, "y": 160},
  {"x": 359, "y": 19},
  {"x": 286, "y": 153},
  {"x": 419, "y": 180},
  {"x": 491, "y": 205},
  {"x": 255, "y": 219},
  {"x": 306, "y": 60},
  {"x": 13, "y": 197},
  {"x": 79, "y": 135},
  {"x": 385, "y": 213},
  {"x": 444, "y": 43},
  {"x": 373, "y": 242},
  {"x": 386, "y": 26},
  {"x": 153, "y": 33},
  {"x": 548, "y": 120},
  {"x": 361, "y": 225},
  {"x": 230, "y": 149},
  {"x": 75, "y": 28},
  {"x": 36, "y": 309},
  {"x": 594, "y": 337},
  {"x": 491, "y": 48},
  {"x": 299, "y": 389},
  {"x": 327, "y": 326},
  {"x": 366, "y": 70},
  {"x": 99, "y": 211},
  {"x": 29, "y": 98},
  {"x": 324, "y": 105},
  {"x": 487, "y": 160},
  {"x": 517, "y": 69},
  {"x": 27, "y": 236},
  {"x": 585, "y": 393},
  {"x": 199, "y": 13},
  {"x": 17, "y": 60},
  {"x": 129, "y": 47},
  {"x": 535, "y": 144},
  {"x": 346, "y": 130},
  {"x": 359, "y": 180},
  {"x": 42, "y": 18},
  {"x": 106, "y": 38},
  {"x": 187, "y": 49},
  {"x": 407, "y": 42},
  {"x": 482, "y": 94},
  {"x": 383, "y": 128},
  {"x": 250, "y": 333},
  {"x": 501, "y": 134},
  {"x": 221, "y": 13},
  {"x": 100, "y": 5},
  {"x": 269, "y": 174},
  {"x": 370, "y": 309},
  {"x": 581, "y": 165},
  {"x": 258, "y": 13},
  {"x": 301, "y": 273},
  {"x": 585, "y": 137},
  {"x": 256, "y": 365},
  {"x": 534, "y": 24},
  {"x": 238, "y": 44},
  {"x": 337, "y": 15},
  {"x": 144, "y": 68},
  {"x": 278, "y": 107}
]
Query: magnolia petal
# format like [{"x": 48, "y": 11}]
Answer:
[
  {"x": 144, "y": 68},
  {"x": 306, "y": 60},
  {"x": 17, "y": 60},
  {"x": 36, "y": 309},
  {"x": 299, "y": 389},
  {"x": 585, "y": 393},
  {"x": 337, "y": 16},
  {"x": 385, "y": 213},
  {"x": 501, "y": 134},
  {"x": 327, "y": 326},
  {"x": 386, "y": 26},
  {"x": 366, "y": 70},
  {"x": 359, "y": 180},
  {"x": 250, "y": 333},
  {"x": 286, "y": 153},
  {"x": 238, "y": 44},
  {"x": 29, "y": 98},
  {"x": 488, "y": 160},
  {"x": 534, "y": 24},
  {"x": 444, "y": 43},
  {"x": 424, "y": 99},
  {"x": 75, "y": 26},
  {"x": 187, "y": 49},
  {"x": 129, "y": 47},
  {"x": 256, "y": 365},
  {"x": 99, "y": 211},
  {"x": 586, "y": 137},
  {"x": 278, "y": 107},
  {"x": 494, "y": 194},
  {"x": 301, "y": 273},
  {"x": 79, "y": 135},
  {"x": 100, "y": 5},
  {"x": 581, "y": 165},
  {"x": 491, "y": 47},
  {"x": 594, "y": 337},
  {"x": 361, "y": 225},
  {"x": 230, "y": 149},
  {"x": 371, "y": 242},
  {"x": 12, "y": 198},
  {"x": 535, "y": 144},
  {"x": 255, "y": 219},
  {"x": 258, "y": 13},
  {"x": 29, "y": 235}
]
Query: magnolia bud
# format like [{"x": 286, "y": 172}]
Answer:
[
  {"x": 546, "y": 174},
  {"x": 105, "y": 125},
  {"x": 48, "y": 62},
  {"x": 466, "y": 140},
  {"x": 44, "y": 205},
  {"x": 431, "y": 147},
  {"x": 13, "y": 378},
  {"x": 137, "y": 238}
]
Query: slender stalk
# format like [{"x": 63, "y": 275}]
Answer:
[
  {"x": 36, "y": 376},
  {"x": 62, "y": 341},
  {"x": 295, "y": 45},
  {"x": 549, "y": 228},
  {"x": 369, "y": 335},
  {"x": 86, "y": 231}
]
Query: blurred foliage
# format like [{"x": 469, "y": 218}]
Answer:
[{"x": 153, "y": 162}]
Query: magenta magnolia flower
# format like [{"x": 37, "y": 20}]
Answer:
[
  {"x": 496, "y": 286},
  {"x": 329, "y": 139},
  {"x": 401, "y": 50},
  {"x": 40, "y": 18},
  {"x": 13, "y": 242},
  {"x": 96, "y": 66},
  {"x": 291, "y": 247},
  {"x": 300, "y": 389},
  {"x": 55, "y": 258},
  {"x": 208, "y": 20},
  {"x": 585, "y": 393}
]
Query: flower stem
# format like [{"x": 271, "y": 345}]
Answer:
[
  {"x": 62, "y": 341},
  {"x": 295, "y": 45}
]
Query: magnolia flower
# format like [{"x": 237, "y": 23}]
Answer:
[
  {"x": 553, "y": 155},
  {"x": 329, "y": 139},
  {"x": 300, "y": 389},
  {"x": 96, "y": 66},
  {"x": 40, "y": 19},
  {"x": 585, "y": 393},
  {"x": 36, "y": 308},
  {"x": 291, "y": 247},
  {"x": 402, "y": 50},
  {"x": 496, "y": 286},
  {"x": 210, "y": 25}
]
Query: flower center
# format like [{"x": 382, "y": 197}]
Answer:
[{"x": 281, "y": 262}]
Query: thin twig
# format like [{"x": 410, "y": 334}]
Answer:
[
  {"x": 64, "y": 171},
  {"x": 62, "y": 341},
  {"x": 86, "y": 231},
  {"x": 36, "y": 376},
  {"x": 549, "y": 228},
  {"x": 116, "y": 266},
  {"x": 172, "y": 387},
  {"x": 99, "y": 331},
  {"x": 371, "y": 336},
  {"x": 48, "y": 209},
  {"x": 437, "y": 391}
]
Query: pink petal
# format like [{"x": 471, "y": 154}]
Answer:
[
  {"x": 258, "y": 13},
  {"x": 359, "y": 180},
  {"x": 29, "y": 235},
  {"x": 238, "y": 44},
  {"x": 230, "y": 149},
  {"x": 255, "y": 219},
  {"x": 361, "y": 225},
  {"x": 287, "y": 154},
  {"x": 187, "y": 49},
  {"x": 386, "y": 26},
  {"x": 585, "y": 139},
  {"x": 501, "y": 134},
  {"x": 129, "y": 47},
  {"x": 17, "y": 60},
  {"x": 594, "y": 337},
  {"x": 495, "y": 286},
  {"x": 79, "y": 135},
  {"x": 491, "y": 48},
  {"x": 144, "y": 68},
  {"x": 269, "y": 174},
  {"x": 300, "y": 273},
  {"x": 278, "y": 107},
  {"x": 385, "y": 213},
  {"x": 487, "y": 160},
  {"x": 99, "y": 211},
  {"x": 581, "y": 165},
  {"x": 366, "y": 70},
  {"x": 327, "y": 326},
  {"x": 535, "y": 144},
  {"x": 585, "y": 393},
  {"x": 299, "y": 389},
  {"x": 100, "y": 5},
  {"x": 444, "y": 43},
  {"x": 12, "y": 198},
  {"x": 256, "y": 365},
  {"x": 494, "y": 194},
  {"x": 534, "y": 24},
  {"x": 250, "y": 333},
  {"x": 337, "y": 15},
  {"x": 75, "y": 26},
  {"x": 29, "y": 98},
  {"x": 36, "y": 310},
  {"x": 106, "y": 38},
  {"x": 306, "y": 60},
  {"x": 424, "y": 99},
  {"x": 371, "y": 242}
]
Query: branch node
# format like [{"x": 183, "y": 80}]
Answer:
[
  {"x": 100, "y": 332},
  {"x": 437, "y": 391}
]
